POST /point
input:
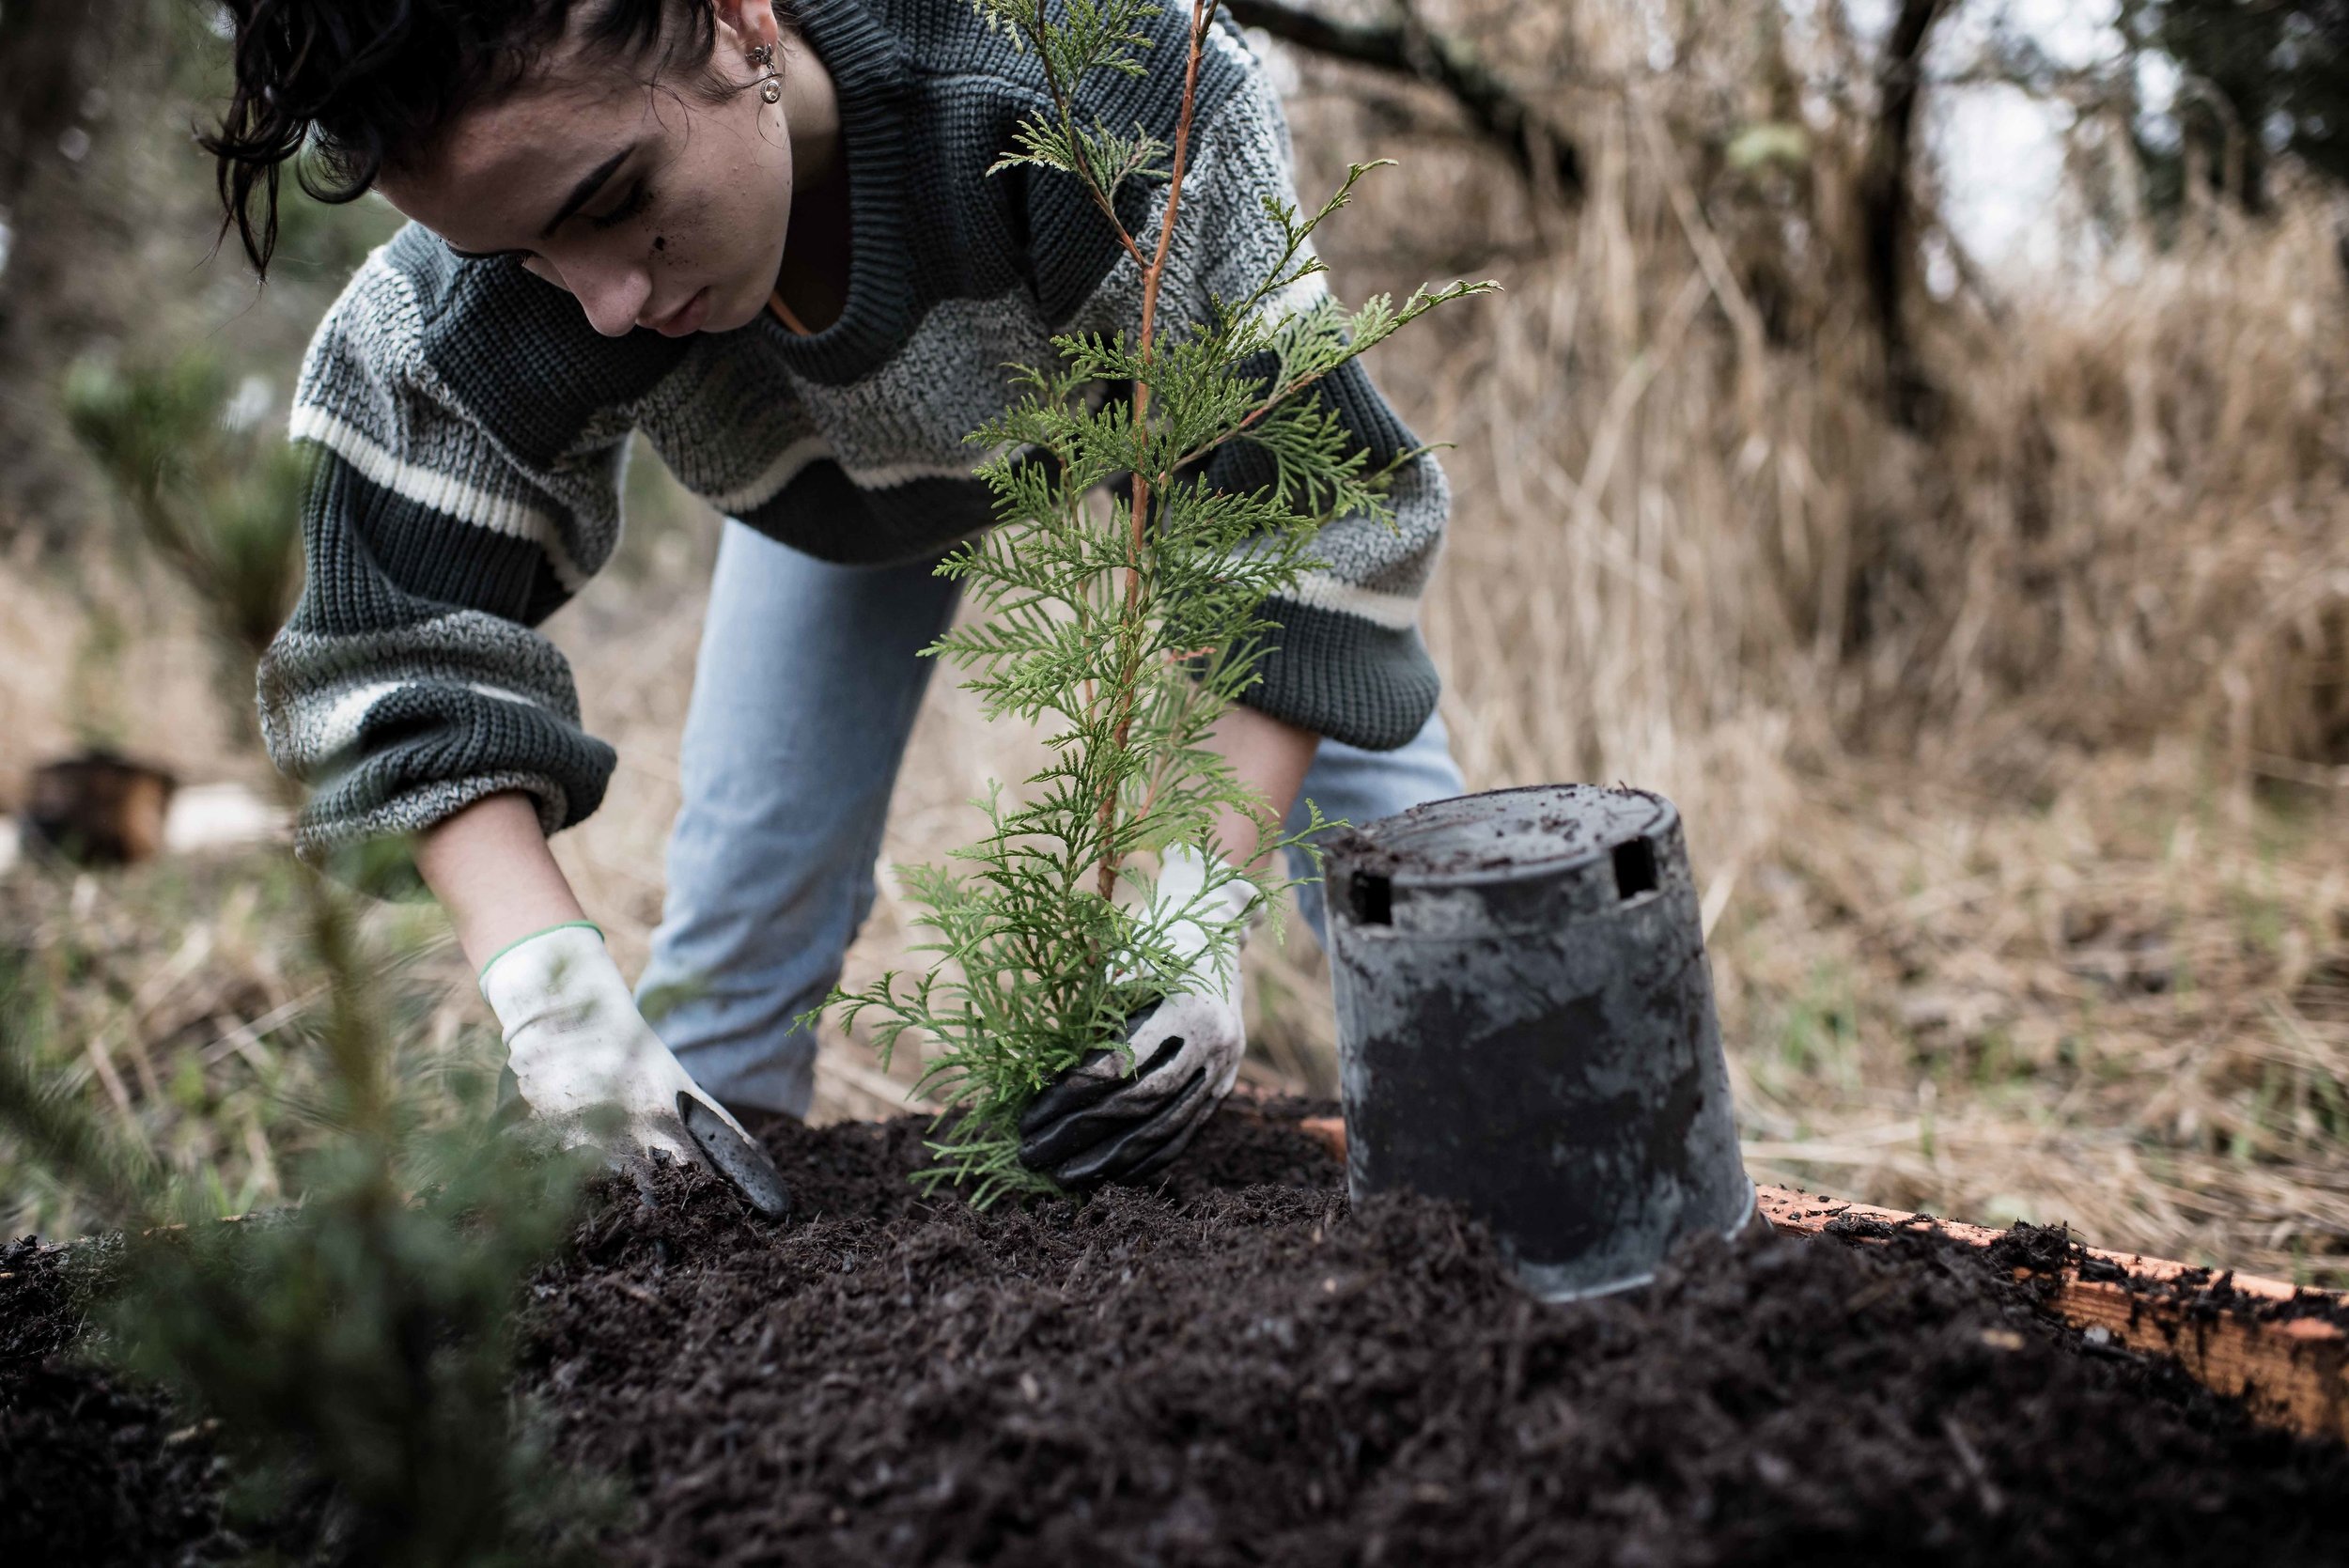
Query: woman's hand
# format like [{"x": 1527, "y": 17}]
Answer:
[
  {"x": 1125, "y": 1114},
  {"x": 1096, "y": 1122},
  {"x": 588, "y": 1065},
  {"x": 583, "y": 1059}
]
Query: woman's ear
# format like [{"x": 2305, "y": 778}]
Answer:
[{"x": 745, "y": 24}]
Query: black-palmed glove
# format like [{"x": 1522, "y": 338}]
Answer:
[{"x": 1099, "y": 1122}]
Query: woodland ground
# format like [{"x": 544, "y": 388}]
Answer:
[{"x": 2118, "y": 999}]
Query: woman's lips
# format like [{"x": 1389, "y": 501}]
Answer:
[{"x": 685, "y": 317}]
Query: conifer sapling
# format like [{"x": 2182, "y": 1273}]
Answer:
[{"x": 1123, "y": 599}]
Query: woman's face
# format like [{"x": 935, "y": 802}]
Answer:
[{"x": 662, "y": 206}]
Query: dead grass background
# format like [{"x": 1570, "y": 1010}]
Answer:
[{"x": 2013, "y": 750}]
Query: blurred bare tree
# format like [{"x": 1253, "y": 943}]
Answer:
[
  {"x": 107, "y": 227},
  {"x": 61, "y": 67},
  {"x": 50, "y": 57},
  {"x": 2257, "y": 81},
  {"x": 1887, "y": 205}
]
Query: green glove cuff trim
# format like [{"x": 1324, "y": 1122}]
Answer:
[{"x": 518, "y": 941}]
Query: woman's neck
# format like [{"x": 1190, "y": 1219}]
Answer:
[{"x": 814, "y": 278}]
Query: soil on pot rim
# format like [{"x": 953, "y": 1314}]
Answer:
[{"x": 1233, "y": 1368}]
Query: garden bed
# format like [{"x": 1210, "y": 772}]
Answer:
[{"x": 1236, "y": 1369}]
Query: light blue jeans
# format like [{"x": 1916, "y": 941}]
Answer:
[{"x": 803, "y": 696}]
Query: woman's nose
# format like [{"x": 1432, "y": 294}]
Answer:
[{"x": 613, "y": 294}]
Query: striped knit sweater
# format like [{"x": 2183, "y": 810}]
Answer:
[{"x": 471, "y": 428}]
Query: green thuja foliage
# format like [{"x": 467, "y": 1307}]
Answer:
[{"x": 1124, "y": 600}]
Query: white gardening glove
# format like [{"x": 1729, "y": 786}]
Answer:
[
  {"x": 1125, "y": 1114},
  {"x": 586, "y": 1064}
]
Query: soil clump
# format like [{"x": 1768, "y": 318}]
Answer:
[{"x": 93, "y": 1470}]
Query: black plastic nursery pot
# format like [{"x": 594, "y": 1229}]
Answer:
[{"x": 1526, "y": 1026}]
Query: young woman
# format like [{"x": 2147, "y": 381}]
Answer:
[{"x": 776, "y": 250}]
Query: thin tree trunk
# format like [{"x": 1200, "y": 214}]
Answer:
[
  {"x": 46, "y": 54},
  {"x": 1202, "y": 18},
  {"x": 1888, "y": 212}
]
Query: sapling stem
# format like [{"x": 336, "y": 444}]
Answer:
[{"x": 1202, "y": 15}]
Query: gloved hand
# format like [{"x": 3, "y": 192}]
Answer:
[
  {"x": 580, "y": 1051},
  {"x": 1094, "y": 1122}
]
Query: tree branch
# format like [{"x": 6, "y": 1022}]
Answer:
[{"x": 1410, "y": 49}]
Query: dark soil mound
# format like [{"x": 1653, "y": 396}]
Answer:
[
  {"x": 1233, "y": 1368},
  {"x": 92, "y": 1472},
  {"x": 1236, "y": 1369}
]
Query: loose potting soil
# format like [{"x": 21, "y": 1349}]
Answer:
[{"x": 1233, "y": 1368}]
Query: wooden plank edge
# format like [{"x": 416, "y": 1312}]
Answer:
[
  {"x": 1797, "y": 1212},
  {"x": 1328, "y": 1131},
  {"x": 2291, "y": 1372}
]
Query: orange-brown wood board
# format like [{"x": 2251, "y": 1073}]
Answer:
[{"x": 2278, "y": 1348}]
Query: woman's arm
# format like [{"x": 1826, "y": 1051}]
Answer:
[
  {"x": 1272, "y": 756},
  {"x": 411, "y": 680},
  {"x": 491, "y": 868}
]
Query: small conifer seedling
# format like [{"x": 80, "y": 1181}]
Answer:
[
  {"x": 1123, "y": 608},
  {"x": 355, "y": 1349}
]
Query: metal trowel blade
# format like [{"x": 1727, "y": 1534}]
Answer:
[{"x": 735, "y": 1157}]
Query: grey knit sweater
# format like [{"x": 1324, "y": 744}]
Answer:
[{"x": 472, "y": 427}]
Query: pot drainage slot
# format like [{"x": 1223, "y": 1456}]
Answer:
[
  {"x": 1374, "y": 899},
  {"x": 1635, "y": 869}
]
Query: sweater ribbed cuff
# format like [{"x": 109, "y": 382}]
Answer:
[{"x": 1342, "y": 676}]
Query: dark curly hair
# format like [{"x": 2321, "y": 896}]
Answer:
[{"x": 366, "y": 85}]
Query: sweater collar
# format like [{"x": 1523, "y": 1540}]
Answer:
[{"x": 869, "y": 72}]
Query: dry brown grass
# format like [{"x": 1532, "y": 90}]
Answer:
[
  {"x": 1969, "y": 727},
  {"x": 2123, "y": 1009},
  {"x": 2011, "y": 753}
]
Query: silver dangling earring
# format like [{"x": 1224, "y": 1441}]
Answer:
[{"x": 763, "y": 56}]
